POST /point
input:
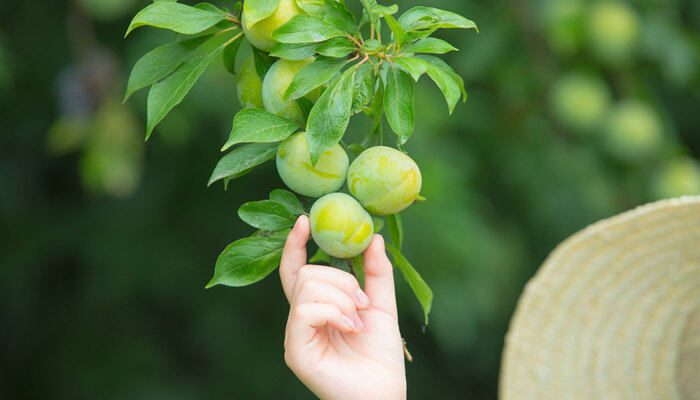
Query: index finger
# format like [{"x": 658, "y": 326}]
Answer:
[{"x": 294, "y": 254}]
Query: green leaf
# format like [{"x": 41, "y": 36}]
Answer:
[
  {"x": 208, "y": 7},
  {"x": 372, "y": 45},
  {"x": 312, "y": 76},
  {"x": 263, "y": 62},
  {"x": 395, "y": 230},
  {"x": 306, "y": 29},
  {"x": 160, "y": 62},
  {"x": 268, "y": 215},
  {"x": 438, "y": 62},
  {"x": 259, "y": 126},
  {"x": 305, "y": 105},
  {"x": 398, "y": 103},
  {"x": 429, "y": 45},
  {"x": 364, "y": 86},
  {"x": 358, "y": 267},
  {"x": 447, "y": 84},
  {"x": 242, "y": 160},
  {"x": 288, "y": 199},
  {"x": 390, "y": 10},
  {"x": 320, "y": 257},
  {"x": 339, "y": 263},
  {"x": 330, "y": 116},
  {"x": 378, "y": 224},
  {"x": 336, "y": 47},
  {"x": 177, "y": 17},
  {"x": 169, "y": 92},
  {"x": 395, "y": 28},
  {"x": 370, "y": 8},
  {"x": 247, "y": 261},
  {"x": 419, "y": 18},
  {"x": 413, "y": 66},
  {"x": 257, "y": 10},
  {"x": 229, "y": 55},
  {"x": 334, "y": 12},
  {"x": 294, "y": 51},
  {"x": 414, "y": 280}
]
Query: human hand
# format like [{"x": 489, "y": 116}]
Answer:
[{"x": 341, "y": 343}]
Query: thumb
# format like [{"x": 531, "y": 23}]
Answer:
[
  {"x": 294, "y": 254},
  {"x": 379, "y": 277}
]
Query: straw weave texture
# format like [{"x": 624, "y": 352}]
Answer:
[{"x": 614, "y": 312}]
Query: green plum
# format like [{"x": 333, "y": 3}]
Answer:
[
  {"x": 340, "y": 226},
  {"x": 249, "y": 87},
  {"x": 580, "y": 101},
  {"x": 260, "y": 33},
  {"x": 276, "y": 82},
  {"x": 384, "y": 180},
  {"x": 563, "y": 22},
  {"x": 295, "y": 169},
  {"x": 613, "y": 31},
  {"x": 634, "y": 131}
]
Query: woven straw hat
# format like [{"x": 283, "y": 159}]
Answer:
[{"x": 614, "y": 312}]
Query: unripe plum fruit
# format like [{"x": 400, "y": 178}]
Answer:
[
  {"x": 634, "y": 131},
  {"x": 580, "y": 101},
  {"x": 297, "y": 172},
  {"x": 613, "y": 31},
  {"x": 384, "y": 180},
  {"x": 249, "y": 87},
  {"x": 260, "y": 34},
  {"x": 276, "y": 82},
  {"x": 340, "y": 226}
]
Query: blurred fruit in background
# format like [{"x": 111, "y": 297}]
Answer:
[
  {"x": 613, "y": 30},
  {"x": 634, "y": 131},
  {"x": 580, "y": 101},
  {"x": 680, "y": 176},
  {"x": 563, "y": 22}
]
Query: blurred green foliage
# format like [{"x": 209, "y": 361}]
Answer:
[{"x": 106, "y": 243}]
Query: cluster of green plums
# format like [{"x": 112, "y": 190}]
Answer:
[{"x": 382, "y": 180}]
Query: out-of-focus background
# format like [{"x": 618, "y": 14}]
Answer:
[{"x": 577, "y": 110}]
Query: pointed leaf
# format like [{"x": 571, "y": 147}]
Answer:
[
  {"x": 242, "y": 160},
  {"x": 266, "y": 215},
  {"x": 259, "y": 126},
  {"x": 395, "y": 28},
  {"x": 294, "y": 51},
  {"x": 395, "y": 230},
  {"x": 413, "y": 66},
  {"x": 247, "y": 261},
  {"x": 229, "y": 55},
  {"x": 429, "y": 45},
  {"x": 336, "y": 47},
  {"x": 160, "y": 62},
  {"x": 256, "y": 10},
  {"x": 334, "y": 12},
  {"x": 398, "y": 103},
  {"x": 438, "y": 62},
  {"x": 288, "y": 199},
  {"x": 330, "y": 116},
  {"x": 312, "y": 76},
  {"x": 364, "y": 85},
  {"x": 306, "y": 29},
  {"x": 414, "y": 280},
  {"x": 177, "y": 17},
  {"x": 169, "y": 92}
]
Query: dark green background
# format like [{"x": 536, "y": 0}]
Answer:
[{"x": 102, "y": 288}]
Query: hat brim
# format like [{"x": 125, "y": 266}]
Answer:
[{"x": 613, "y": 313}]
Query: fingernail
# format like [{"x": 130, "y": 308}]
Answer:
[
  {"x": 358, "y": 322},
  {"x": 348, "y": 322},
  {"x": 297, "y": 223},
  {"x": 362, "y": 299}
]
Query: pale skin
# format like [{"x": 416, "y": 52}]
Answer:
[{"x": 342, "y": 342}]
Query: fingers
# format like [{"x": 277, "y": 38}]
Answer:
[
  {"x": 379, "y": 277},
  {"x": 294, "y": 254},
  {"x": 322, "y": 292},
  {"x": 305, "y": 318},
  {"x": 340, "y": 279}
]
